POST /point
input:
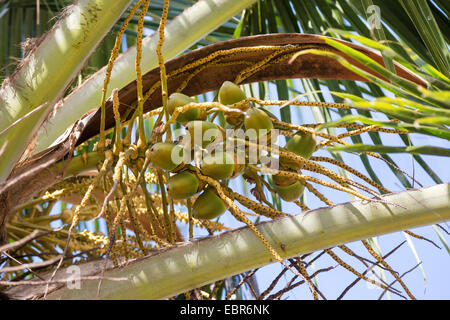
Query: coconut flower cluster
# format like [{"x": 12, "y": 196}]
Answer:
[{"x": 222, "y": 153}]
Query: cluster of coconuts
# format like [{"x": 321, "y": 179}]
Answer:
[{"x": 221, "y": 165}]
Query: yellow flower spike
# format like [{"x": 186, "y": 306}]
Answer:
[
  {"x": 351, "y": 170},
  {"x": 212, "y": 225},
  {"x": 114, "y": 54},
  {"x": 254, "y": 206},
  {"x": 319, "y": 195},
  {"x": 352, "y": 270},
  {"x": 312, "y": 179},
  {"x": 247, "y": 72},
  {"x": 117, "y": 130},
  {"x": 240, "y": 216},
  {"x": 140, "y": 106},
  {"x": 386, "y": 265}
]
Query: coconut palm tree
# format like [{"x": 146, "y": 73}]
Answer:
[{"x": 70, "y": 154}]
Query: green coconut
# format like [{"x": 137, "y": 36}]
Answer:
[
  {"x": 182, "y": 185},
  {"x": 208, "y": 205},
  {"x": 218, "y": 166},
  {"x": 302, "y": 144},
  {"x": 202, "y": 132},
  {"x": 178, "y": 100},
  {"x": 257, "y": 120},
  {"x": 166, "y": 155},
  {"x": 291, "y": 192},
  {"x": 230, "y": 93}
]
